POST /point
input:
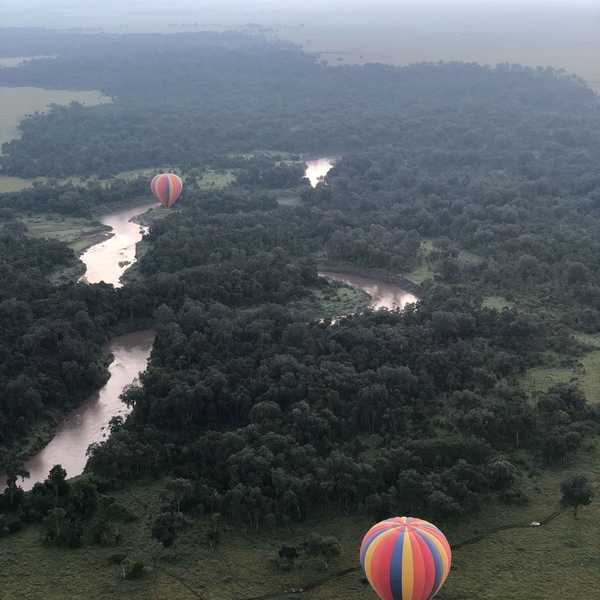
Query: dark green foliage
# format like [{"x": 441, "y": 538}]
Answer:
[
  {"x": 575, "y": 492},
  {"x": 60, "y": 530},
  {"x": 181, "y": 99},
  {"x": 84, "y": 199},
  {"x": 269, "y": 422},
  {"x": 132, "y": 569},
  {"x": 48, "y": 362},
  {"x": 316, "y": 545},
  {"x": 166, "y": 527},
  {"x": 252, "y": 410}
]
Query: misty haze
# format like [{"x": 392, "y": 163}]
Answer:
[{"x": 299, "y": 299}]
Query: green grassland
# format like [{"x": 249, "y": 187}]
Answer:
[
  {"x": 17, "y": 102},
  {"x": 16, "y": 184},
  {"x": 331, "y": 301},
  {"x": 215, "y": 180},
  {"x": 207, "y": 180},
  {"x": 13, "y": 184},
  {"x": 424, "y": 269},
  {"x": 507, "y": 564},
  {"x": 379, "y": 42},
  {"x": 497, "y": 302},
  {"x": 421, "y": 274},
  {"x": 77, "y": 233},
  {"x": 586, "y": 373}
]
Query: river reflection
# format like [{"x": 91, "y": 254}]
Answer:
[
  {"x": 383, "y": 294},
  {"x": 108, "y": 260},
  {"x": 89, "y": 423},
  {"x": 316, "y": 170}
]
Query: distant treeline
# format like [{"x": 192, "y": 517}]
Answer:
[{"x": 186, "y": 98}]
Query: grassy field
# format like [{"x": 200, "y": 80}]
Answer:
[
  {"x": 17, "y": 102},
  {"x": 13, "y": 184},
  {"x": 553, "y": 562},
  {"x": 422, "y": 273},
  {"x": 209, "y": 180},
  {"x": 497, "y": 302},
  {"x": 388, "y": 42},
  {"x": 215, "y": 180},
  {"x": 16, "y": 184},
  {"x": 424, "y": 270},
  {"x": 77, "y": 233},
  {"x": 586, "y": 373},
  {"x": 332, "y": 301}
]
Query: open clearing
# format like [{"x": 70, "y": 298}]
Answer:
[
  {"x": 18, "y": 102},
  {"x": 497, "y": 302},
  {"x": 372, "y": 42},
  {"x": 586, "y": 374},
  {"x": 503, "y": 565},
  {"x": 78, "y": 234},
  {"x": 207, "y": 180}
]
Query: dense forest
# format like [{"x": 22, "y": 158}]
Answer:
[
  {"x": 51, "y": 353},
  {"x": 488, "y": 176},
  {"x": 183, "y": 99}
]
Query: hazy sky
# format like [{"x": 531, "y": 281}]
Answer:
[
  {"x": 420, "y": 13},
  {"x": 562, "y": 33}
]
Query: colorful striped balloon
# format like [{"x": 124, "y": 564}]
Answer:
[
  {"x": 167, "y": 188},
  {"x": 405, "y": 559}
]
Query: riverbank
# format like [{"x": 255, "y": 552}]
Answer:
[
  {"x": 502, "y": 563},
  {"x": 45, "y": 429},
  {"x": 88, "y": 423},
  {"x": 42, "y": 449},
  {"x": 380, "y": 274}
]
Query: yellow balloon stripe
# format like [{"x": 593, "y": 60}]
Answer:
[{"x": 407, "y": 568}]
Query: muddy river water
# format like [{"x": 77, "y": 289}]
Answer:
[
  {"x": 106, "y": 261},
  {"x": 383, "y": 294}
]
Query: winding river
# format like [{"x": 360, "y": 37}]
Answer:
[
  {"x": 89, "y": 423},
  {"x": 105, "y": 261},
  {"x": 383, "y": 294},
  {"x": 108, "y": 260}
]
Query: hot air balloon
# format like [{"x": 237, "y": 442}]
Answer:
[
  {"x": 405, "y": 559},
  {"x": 167, "y": 188}
]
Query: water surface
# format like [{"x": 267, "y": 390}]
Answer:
[
  {"x": 89, "y": 422},
  {"x": 316, "y": 170},
  {"x": 383, "y": 294},
  {"x": 108, "y": 260}
]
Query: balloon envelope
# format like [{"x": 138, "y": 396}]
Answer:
[
  {"x": 167, "y": 188},
  {"x": 405, "y": 559}
]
